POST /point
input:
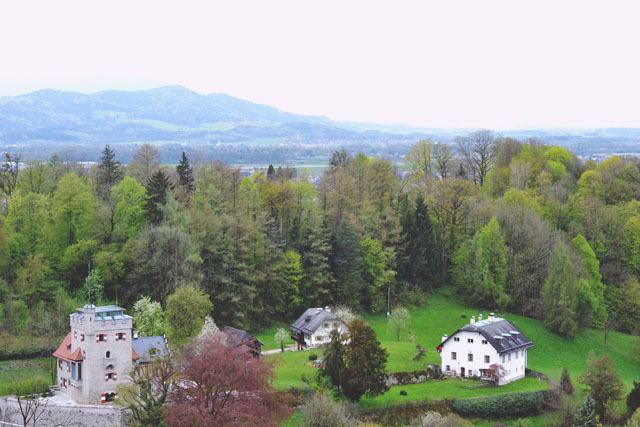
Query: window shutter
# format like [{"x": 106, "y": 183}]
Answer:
[
  {"x": 116, "y": 336},
  {"x": 97, "y": 337},
  {"x": 103, "y": 398},
  {"x": 124, "y": 336},
  {"x": 106, "y": 378},
  {"x": 115, "y": 376},
  {"x": 81, "y": 337}
]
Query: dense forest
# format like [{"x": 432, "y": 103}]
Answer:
[{"x": 513, "y": 225}]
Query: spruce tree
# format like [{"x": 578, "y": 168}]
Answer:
[
  {"x": 422, "y": 252},
  {"x": 633, "y": 398},
  {"x": 109, "y": 173},
  {"x": 185, "y": 174},
  {"x": 157, "y": 196},
  {"x": 565, "y": 382},
  {"x": 560, "y": 293},
  {"x": 586, "y": 416},
  {"x": 319, "y": 284},
  {"x": 346, "y": 264},
  {"x": 334, "y": 366}
]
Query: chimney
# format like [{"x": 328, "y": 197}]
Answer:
[
  {"x": 473, "y": 320},
  {"x": 491, "y": 315},
  {"x": 135, "y": 335},
  {"x": 327, "y": 309},
  {"x": 480, "y": 317},
  {"x": 318, "y": 310},
  {"x": 444, "y": 338}
]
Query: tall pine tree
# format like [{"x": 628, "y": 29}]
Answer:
[
  {"x": 109, "y": 173},
  {"x": 346, "y": 265},
  {"x": 157, "y": 196},
  {"x": 185, "y": 174}
]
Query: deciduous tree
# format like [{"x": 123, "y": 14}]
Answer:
[{"x": 602, "y": 382}]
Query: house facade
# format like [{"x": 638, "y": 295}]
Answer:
[
  {"x": 473, "y": 349},
  {"x": 312, "y": 329},
  {"x": 98, "y": 353}
]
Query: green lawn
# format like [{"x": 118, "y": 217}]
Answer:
[
  {"x": 443, "y": 314},
  {"x": 450, "y": 388},
  {"x": 34, "y": 373},
  {"x": 267, "y": 336}
]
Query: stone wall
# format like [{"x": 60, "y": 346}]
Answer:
[{"x": 66, "y": 414}]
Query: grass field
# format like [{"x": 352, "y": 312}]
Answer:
[
  {"x": 443, "y": 314},
  {"x": 34, "y": 373}
]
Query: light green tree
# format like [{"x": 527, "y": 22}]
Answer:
[
  {"x": 148, "y": 317},
  {"x": 375, "y": 272},
  {"x": 129, "y": 198},
  {"x": 186, "y": 310},
  {"x": 593, "y": 290},
  {"x": 399, "y": 320},
  {"x": 560, "y": 293},
  {"x": 281, "y": 337}
]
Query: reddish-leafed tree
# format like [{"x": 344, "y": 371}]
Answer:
[
  {"x": 221, "y": 385},
  {"x": 496, "y": 373}
]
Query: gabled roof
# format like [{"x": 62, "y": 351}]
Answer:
[
  {"x": 64, "y": 351},
  {"x": 311, "y": 320},
  {"x": 503, "y": 335},
  {"x": 236, "y": 337},
  {"x": 145, "y": 348}
]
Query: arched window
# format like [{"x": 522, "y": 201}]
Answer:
[{"x": 108, "y": 355}]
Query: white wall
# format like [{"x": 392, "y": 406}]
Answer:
[
  {"x": 321, "y": 335},
  {"x": 513, "y": 365}
]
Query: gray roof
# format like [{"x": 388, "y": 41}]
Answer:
[
  {"x": 237, "y": 337},
  {"x": 311, "y": 320},
  {"x": 501, "y": 334},
  {"x": 144, "y": 346}
]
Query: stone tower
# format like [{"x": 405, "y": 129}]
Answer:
[{"x": 96, "y": 355}]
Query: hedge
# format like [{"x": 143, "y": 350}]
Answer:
[
  {"x": 510, "y": 405},
  {"x": 26, "y": 353}
]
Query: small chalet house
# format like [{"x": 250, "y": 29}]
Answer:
[
  {"x": 98, "y": 353},
  {"x": 472, "y": 349},
  {"x": 313, "y": 327},
  {"x": 238, "y": 338}
]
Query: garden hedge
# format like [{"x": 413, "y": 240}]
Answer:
[
  {"x": 510, "y": 405},
  {"x": 26, "y": 353}
]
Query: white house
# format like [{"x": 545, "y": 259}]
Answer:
[
  {"x": 472, "y": 349},
  {"x": 313, "y": 327}
]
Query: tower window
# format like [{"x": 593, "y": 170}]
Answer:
[
  {"x": 108, "y": 355},
  {"x": 101, "y": 338}
]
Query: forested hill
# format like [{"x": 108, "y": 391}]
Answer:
[
  {"x": 172, "y": 113},
  {"x": 515, "y": 225}
]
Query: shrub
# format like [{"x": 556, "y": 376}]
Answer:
[
  {"x": 28, "y": 386},
  {"x": 320, "y": 411},
  {"x": 26, "y": 353},
  {"x": 435, "y": 419},
  {"x": 633, "y": 398},
  {"x": 403, "y": 392},
  {"x": 509, "y": 405},
  {"x": 313, "y": 357}
]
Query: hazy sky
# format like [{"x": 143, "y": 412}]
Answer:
[{"x": 446, "y": 63}]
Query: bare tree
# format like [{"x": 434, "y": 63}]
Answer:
[
  {"x": 144, "y": 163},
  {"x": 9, "y": 169},
  {"x": 479, "y": 152},
  {"x": 443, "y": 158}
]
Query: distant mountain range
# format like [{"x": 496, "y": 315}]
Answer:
[{"x": 177, "y": 115}]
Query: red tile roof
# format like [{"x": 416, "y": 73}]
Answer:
[
  {"x": 64, "y": 351},
  {"x": 134, "y": 355}
]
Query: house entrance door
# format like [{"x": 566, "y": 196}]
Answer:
[{"x": 462, "y": 372}]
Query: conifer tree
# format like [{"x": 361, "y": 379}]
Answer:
[
  {"x": 565, "y": 382},
  {"x": 318, "y": 286},
  {"x": 422, "y": 248},
  {"x": 586, "y": 416},
  {"x": 560, "y": 293},
  {"x": 157, "y": 196},
  {"x": 185, "y": 174},
  {"x": 334, "y": 365},
  {"x": 347, "y": 264},
  {"x": 109, "y": 173}
]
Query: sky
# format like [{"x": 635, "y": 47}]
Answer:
[{"x": 492, "y": 64}]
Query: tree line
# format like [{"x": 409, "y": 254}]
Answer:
[{"x": 513, "y": 225}]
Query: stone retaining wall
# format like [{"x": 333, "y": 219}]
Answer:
[{"x": 53, "y": 414}]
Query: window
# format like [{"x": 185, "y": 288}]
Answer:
[
  {"x": 68, "y": 367},
  {"x": 470, "y": 357},
  {"x": 487, "y": 359},
  {"x": 75, "y": 334},
  {"x": 73, "y": 371},
  {"x": 81, "y": 337},
  {"x": 516, "y": 369},
  {"x": 453, "y": 355},
  {"x": 517, "y": 354},
  {"x": 456, "y": 339},
  {"x": 110, "y": 376},
  {"x": 326, "y": 325},
  {"x": 319, "y": 338},
  {"x": 502, "y": 358},
  {"x": 101, "y": 338},
  {"x": 60, "y": 363},
  {"x": 448, "y": 368},
  {"x": 470, "y": 373},
  {"x": 484, "y": 342},
  {"x": 121, "y": 336},
  {"x": 108, "y": 355},
  {"x": 470, "y": 340},
  {"x": 509, "y": 356}
]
